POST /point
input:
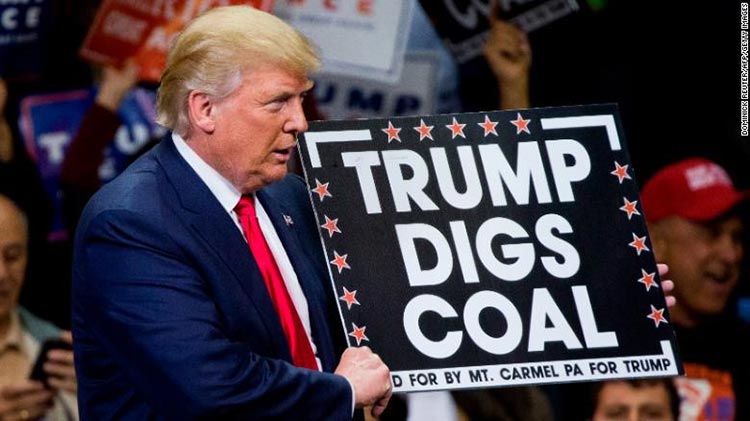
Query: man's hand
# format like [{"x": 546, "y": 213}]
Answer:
[
  {"x": 26, "y": 400},
  {"x": 369, "y": 376},
  {"x": 666, "y": 285},
  {"x": 59, "y": 367},
  {"x": 116, "y": 83},
  {"x": 508, "y": 52}
]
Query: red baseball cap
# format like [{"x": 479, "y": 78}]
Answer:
[{"x": 695, "y": 189}]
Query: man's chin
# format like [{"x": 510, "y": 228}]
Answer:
[
  {"x": 261, "y": 179},
  {"x": 718, "y": 291},
  {"x": 714, "y": 306},
  {"x": 277, "y": 175},
  {"x": 5, "y": 310}
]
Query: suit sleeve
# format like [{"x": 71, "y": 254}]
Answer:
[{"x": 152, "y": 312}]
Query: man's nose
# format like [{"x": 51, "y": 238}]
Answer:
[
  {"x": 297, "y": 121},
  {"x": 729, "y": 248},
  {"x": 4, "y": 270}
]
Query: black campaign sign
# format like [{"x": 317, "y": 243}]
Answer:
[{"x": 489, "y": 249}]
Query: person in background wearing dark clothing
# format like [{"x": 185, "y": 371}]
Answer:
[
  {"x": 79, "y": 173},
  {"x": 47, "y": 277},
  {"x": 199, "y": 287},
  {"x": 19, "y": 176},
  {"x": 6, "y": 139},
  {"x": 696, "y": 220},
  {"x": 635, "y": 400}
]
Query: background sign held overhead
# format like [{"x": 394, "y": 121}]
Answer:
[
  {"x": 361, "y": 38},
  {"x": 490, "y": 249},
  {"x": 144, "y": 30},
  {"x": 342, "y": 97}
]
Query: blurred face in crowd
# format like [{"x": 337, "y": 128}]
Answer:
[
  {"x": 704, "y": 262},
  {"x": 255, "y": 128},
  {"x": 621, "y": 401},
  {"x": 13, "y": 249}
]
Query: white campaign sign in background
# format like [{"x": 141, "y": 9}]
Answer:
[{"x": 361, "y": 38}]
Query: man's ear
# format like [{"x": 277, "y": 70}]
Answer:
[{"x": 201, "y": 111}]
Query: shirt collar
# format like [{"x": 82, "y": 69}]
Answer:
[
  {"x": 222, "y": 189},
  {"x": 14, "y": 338}
]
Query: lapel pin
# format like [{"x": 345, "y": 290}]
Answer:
[{"x": 288, "y": 219}]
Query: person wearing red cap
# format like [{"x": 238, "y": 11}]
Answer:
[{"x": 696, "y": 219}]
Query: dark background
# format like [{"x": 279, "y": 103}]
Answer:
[{"x": 673, "y": 66}]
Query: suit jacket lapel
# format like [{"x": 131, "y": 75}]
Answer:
[
  {"x": 312, "y": 285},
  {"x": 216, "y": 227}
]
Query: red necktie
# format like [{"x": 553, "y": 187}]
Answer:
[{"x": 299, "y": 343}]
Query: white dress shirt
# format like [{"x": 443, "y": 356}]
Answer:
[{"x": 228, "y": 196}]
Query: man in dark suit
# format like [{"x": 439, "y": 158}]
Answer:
[{"x": 182, "y": 310}]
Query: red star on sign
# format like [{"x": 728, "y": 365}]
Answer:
[
  {"x": 621, "y": 172},
  {"x": 629, "y": 208},
  {"x": 340, "y": 261},
  {"x": 321, "y": 189},
  {"x": 424, "y": 131},
  {"x": 488, "y": 126},
  {"x": 392, "y": 132},
  {"x": 521, "y": 124},
  {"x": 456, "y": 129},
  {"x": 359, "y": 333},
  {"x": 331, "y": 225},
  {"x": 648, "y": 280},
  {"x": 349, "y": 298},
  {"x": 657, "y": 316},
  {"x": 639, "y": 244}
]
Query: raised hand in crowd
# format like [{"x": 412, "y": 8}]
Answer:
[
  {"x": 115, "y": 84},
  {"x": 508, "y": 53}
]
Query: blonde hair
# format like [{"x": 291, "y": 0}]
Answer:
[{"x": 215, "y": 49}]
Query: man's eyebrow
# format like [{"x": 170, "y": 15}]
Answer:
[
  {"x": 291, "y": 93},
  {"x": 281, "y": 95}
]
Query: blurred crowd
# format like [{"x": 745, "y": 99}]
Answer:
[{"x": 683, "y": 140}]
